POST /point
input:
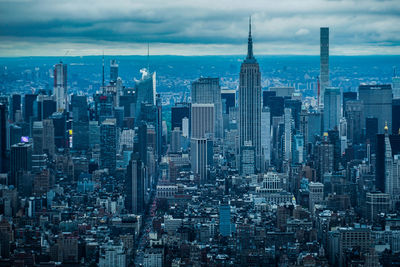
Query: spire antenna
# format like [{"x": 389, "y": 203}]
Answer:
[
  {"x": 250, "y": 55},
  {"x": 148, "y": 57},
  {"x": 103, "y": 72}
]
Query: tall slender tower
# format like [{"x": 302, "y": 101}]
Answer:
[
  {"x": 60, "y": 86},
  {"x": 250, "y": 107},
  {"x": 324, "y": 62}
]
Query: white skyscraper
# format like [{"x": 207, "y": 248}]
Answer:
[
  {"x": 202, "y": 122},
  {"x": 208, "y": 91},
  {"x": 60, "y": 86},
  {"x": 288, "y": 134}
]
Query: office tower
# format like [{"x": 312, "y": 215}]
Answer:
[
  {"x": 282, "y": 91},
  {"x": 334, "y": 139},
  {"x": 176, "y": 136},
  {"x": 94, "y": 134},
  {"x": 141, "y": 145},
  {"x": 225, "y": 228},
  {"x": 396, "y": 87},
  {"x": 299, "y": 150},
  {"x": 145, "y": 91},
  {"x": 79, "y": 108},
  {"x": 60, "y": 129},
  {"x": 104, "y": 107},
  {"x": 316, "y": 194},
  {"x": 20, "y": 160},
  {"x": 48, "y": 137},
  {"x": 343, "y": 135},
  {"x": 202, "y": 120},
  {"x": 80, "y": 135},
  {"x": 266, "y": 134},
  {"x": 15, "y": 134},
  {"x": 276, "y": 105},
  {"x": 29, "y": 107},
  {"x": 3, "y": 138},
  {"x": 178, "y": 112},
  {"x": 354, "y": 115},
  {"x": 158, "y": 127},
  {"x": 386, "y": 145},
  {"x": 266, "y": 95},
  {"x": 324, "y": 62},
  {"x": 348, "y": 96},
  {"x": 113, "y": 71},
  {"x": 185, "y": 127},
  {"x": 377, "y": 203},
  {"x": 287, "y": 139},
  {"x": 250, "y": 104},
  {"x": 15, "y": 105},
  {"x": 135, "y": 185},
  {"x": 46, "y": 106},
  {"x": 295, "y": 106},
  {"x": 108, "y": 144},
  {"x": 37, "y": 134},
  {"x": 377, "y": 100},
  {"x": 332, "y": 108},
  {"x": 199, "y": 158},
  {"x": 324, "y": 154},
  {"x": 371, "y": 130},
  {"x": 396, "y": 116},
  {"x": 208, "y": 91},
  {"x": 228, "y": 98},
  {"x": 60, "y": 86}
]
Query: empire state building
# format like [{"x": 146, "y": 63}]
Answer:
[{"x": 250, "y": 112}]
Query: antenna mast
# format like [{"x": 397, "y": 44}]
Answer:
[
  {"x": 103, "y": 72},
  {"x": 148, "y": 57}
]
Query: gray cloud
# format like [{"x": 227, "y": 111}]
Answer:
[{"x": 206, "y": 27}]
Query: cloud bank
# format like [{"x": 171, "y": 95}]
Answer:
[{"x": 44, "y": 27}]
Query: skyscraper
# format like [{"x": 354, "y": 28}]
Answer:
[
  {"x": 20, "y": 160},
  {"x": 113, "y": 71},
  {"x": 250, "y": 104},
  {"x": 3, "y": 138},
  {"x": 60, "y": 86},
  {"x": 199, "y": 156},
  {"x": 178, "y": 112},
  {"x": 377, "y": 100},
  {"x": 324, "y": 62},
  {"x": 202, "y": 121},
  {"x": 15, "y": 105},
  {"x": 208, "y": 91},
  {"x": 266, "y": 134},
  {"x": 108, "y": 142},
  {"x": 135, "y": 185},
  {"x": 332, "y": 109}
]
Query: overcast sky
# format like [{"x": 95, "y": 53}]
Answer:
[{"x": 204, "y": 27}]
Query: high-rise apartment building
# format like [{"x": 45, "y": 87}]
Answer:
[
  {"x": 60, "y": 86},
  {"x": 324, "y": 62}
]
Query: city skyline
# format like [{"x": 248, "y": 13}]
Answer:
[{"x": 125, "y": 28}]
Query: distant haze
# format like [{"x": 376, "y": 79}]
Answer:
[{"x": 179, "y": 27}]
